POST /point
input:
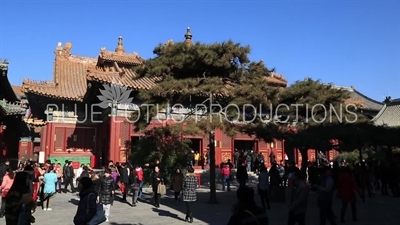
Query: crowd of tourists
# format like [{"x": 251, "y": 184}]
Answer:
[
  {"x": 348, "y": 180},
  {"x": 34, "y": 184}
]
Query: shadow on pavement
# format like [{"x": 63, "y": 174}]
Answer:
[
  {"x": 209, "y": 213},
  {"x": 166, "y": 213},
  {"x": 112, "y": 223},
  {"x": 74, "y": 201}
]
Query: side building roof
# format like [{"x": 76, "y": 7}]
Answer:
[
  {"x": 10, "y": 101},
  {"x": 9, "y": 108},
  {"x": 389, "y": 115},
  {"x": 361, "y": 100},
  {"x": 69, "y": 77}
]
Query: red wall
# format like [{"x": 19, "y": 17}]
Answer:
[{"x": 69, "y": 139}]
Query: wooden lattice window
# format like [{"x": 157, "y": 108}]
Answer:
[
  {"x": 226, "y": 141},
  {"x": 90, "y": 139},
  {"x": 70, "y": 139},
  {"x": 59, "y": 139},
  {"x": 79, "y": 138},
  {"x": 262, "y": 145},
  {"x": 125, "y": 135},
  {"x": 278, "y": 144}
]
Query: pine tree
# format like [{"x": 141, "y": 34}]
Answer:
[
  {"x": 220, "y": 73},
  {"x": 314, "y": 110}
]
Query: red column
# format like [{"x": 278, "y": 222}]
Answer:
[
  {"x": 218, "y": 138},
  {"x": 112, "y": 148},
  {"x": 48, "y": 139}
]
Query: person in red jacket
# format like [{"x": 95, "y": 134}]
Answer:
[
  {"x": 347, "y": 187},
  {"x": 140, "y": 175}
]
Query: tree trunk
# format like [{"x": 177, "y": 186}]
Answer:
[
  {"x": 304, "y": 160},
  {"x": 362, "y": 173},
  {"x": 213, "y": 188}
]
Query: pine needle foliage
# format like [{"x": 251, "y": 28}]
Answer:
[
  {"x": 219, "y": 73},
  {"x": 166, "y": 144}
]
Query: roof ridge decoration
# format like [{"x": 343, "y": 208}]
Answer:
[
  {"x": 120, "y": 47},
  {"x": 278, "y": 76},
  {"x": 16, "y": 103},
  {"x": 169, "y": 42},
  {"x": 82, "y": 59},
  {"x": 351, "y": 88},
  {"x": 63, "y": 52},
  {"x": 46, "y": 83},
  {"x": 120, "y": 56}
]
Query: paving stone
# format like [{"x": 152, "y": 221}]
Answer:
[{"x": 382, "y": 210}]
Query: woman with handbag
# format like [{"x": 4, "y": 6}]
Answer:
[
  {"x": 156, "y": 182},
  {"x": 89, "y": 212},
  {"x": 19, "y": 202},
  {"x": 189, "y": 192},
  {"x": 176, "y": 184}
]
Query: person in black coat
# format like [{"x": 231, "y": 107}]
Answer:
[
  {"x": 69, "y": 177},
  {"x": 157, "y": 179},
  {"x": 241, "y": 174},
  {"x": 87, "y": 207},
  {"x": 106, "y": 193},
  {"x": 124, "y": 179},
  {"x": 246, "y": 211},
  {"x": 31, "y": 175},
  {"x": 134, "y": 186},
  {"x": 95, "y": 181}
]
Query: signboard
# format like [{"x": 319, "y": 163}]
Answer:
[
  {"x": 75, "y": 165},
  {"x": 41, "y": 157}
]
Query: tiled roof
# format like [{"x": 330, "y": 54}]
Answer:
[
  {"x": 18, "y": 92},
  {"x": 361, "y": 101},
  {"x": 12, "y": 108},
  {"x": 389, "y": 114},
  {"x": 35, "y": 122},
  {"x": 125, "y": 78},
  {"x": 119, "y": 57},
  {"x": 277, "y": 79},
  {"x": 72, "y": 72},
  {"x": 69, "y": 79}
]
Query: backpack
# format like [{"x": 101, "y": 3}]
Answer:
[
  {"x": 226, "y": 171},
  {"x": 139, "y": 173},
  {"x": 85, "y": 174}
]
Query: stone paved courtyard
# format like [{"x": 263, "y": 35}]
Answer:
[{"x": 381, "y": 210}]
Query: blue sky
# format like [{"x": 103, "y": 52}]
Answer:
[{"x": 353, "y": 42}]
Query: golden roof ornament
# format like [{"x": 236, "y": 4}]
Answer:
[
  {"x": 120, "y": 48},
  {"x": 68, "y": 47},
  {"x": 188, "y": 36}
]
